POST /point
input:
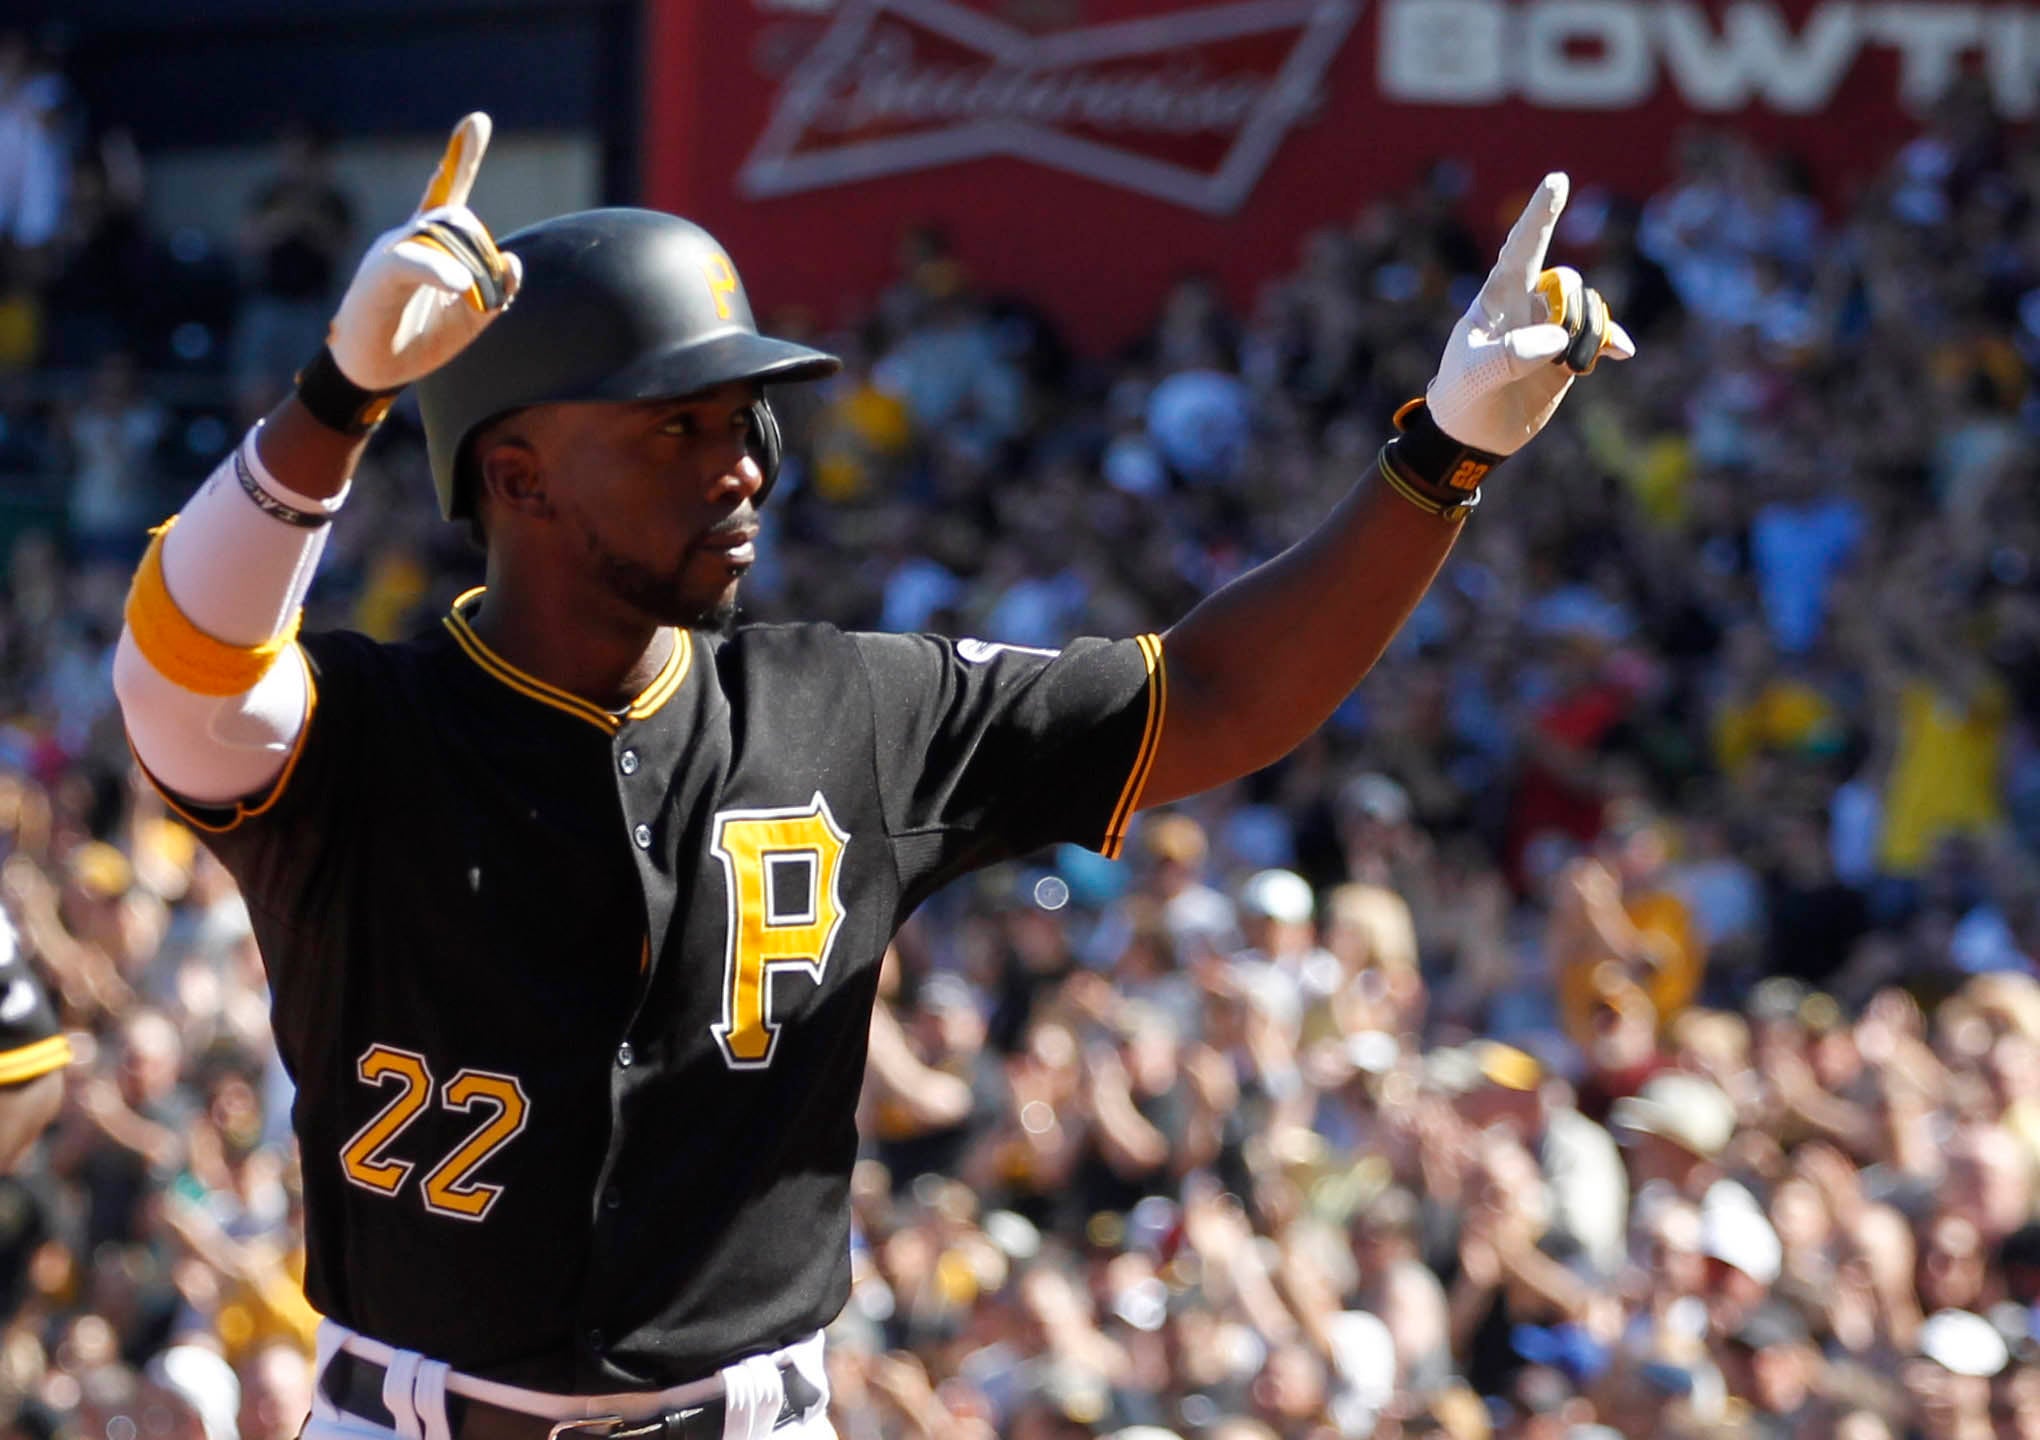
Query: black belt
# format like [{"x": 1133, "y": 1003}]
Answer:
[{"x": 355, "y": 1385}]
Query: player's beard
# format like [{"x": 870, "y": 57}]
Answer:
[{"x": 661, "y": 595}]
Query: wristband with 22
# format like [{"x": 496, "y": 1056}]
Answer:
[{"x": 1429, "y": 468}]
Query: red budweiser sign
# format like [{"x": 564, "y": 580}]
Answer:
[
  {"x": 1186, "y": 107},
  {"x": 1088, "y": 153}
]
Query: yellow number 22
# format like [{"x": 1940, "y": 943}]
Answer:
[
  {"x": 780, "y": 868},
  {"x": 450, "y": 1189}
]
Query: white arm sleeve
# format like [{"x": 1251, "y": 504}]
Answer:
[
  {"x": 238, "y": 573},
  {"x": 211, "y": 748}
]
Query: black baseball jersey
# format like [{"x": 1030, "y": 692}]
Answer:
[{"x": 576, "y": 1002}]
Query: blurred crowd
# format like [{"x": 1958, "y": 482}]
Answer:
[{"x": 1620, "y": 1021}]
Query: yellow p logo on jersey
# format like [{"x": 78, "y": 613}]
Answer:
[{"x": 782, "y": 867}]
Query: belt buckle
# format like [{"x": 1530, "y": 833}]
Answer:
[{"x": 610, "y": 1424}]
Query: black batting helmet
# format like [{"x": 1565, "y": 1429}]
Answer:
[{"x": 615, "y": 305}]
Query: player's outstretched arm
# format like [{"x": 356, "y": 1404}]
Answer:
[
  {"x": 207, "y": 671},
  {"x": 1259, "y": 665}
]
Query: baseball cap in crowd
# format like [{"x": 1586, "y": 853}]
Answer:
[
  {"x": 1734, "y": 1231},
  {"x": 943, "y": 991},
  {"x": 1373, "y": 1052},
  {"x": 1281, "y": 895},
  {"x": 1964, "y": 1343},
  {"x": 1363, "y": 1355},
  {"x": 1144, "y": 1304},
  {"x": 1778, "y": 998},
  {"x": 1374, "y": 796},
  {"x": 163, "y": 852},
  {"x": 1506, "y": 1066},
  {"x": 1174, "y": 837},
  {"x": 1451, "y": 1070},
  {"x": 1771, "y": 1323},
  {"x": 1078, "y": 1395},
  {"x": 100, "y": 870},
  {"x": 1666, "y": 1378},
  {"x": 1015, "y": 1235},
  {"x": 1461, "y": 1069},
  {"x": 1821, "y": 1013},
  {"x": 1690, "y": 1112},
  {"x": 1537, "y": 1390},
  {"x": 1568, "y": 1349},
  {"x": 206, "y": 1382},
  {"x": 1153, "y": 1222}
]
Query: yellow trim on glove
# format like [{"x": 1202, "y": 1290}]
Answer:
[
  {"x": 490, "y": 255},
  {"x": 181, "y": 652},
  {"x": 439, "y": 189},
  {"x": 1551, "y": 285}
]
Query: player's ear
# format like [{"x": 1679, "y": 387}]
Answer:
[{"x": 512, "y": 479}]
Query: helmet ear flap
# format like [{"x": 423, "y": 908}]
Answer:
[{"x": 766, "y": 446}]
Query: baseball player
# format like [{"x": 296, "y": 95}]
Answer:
[{"x": 573, "y": 908}]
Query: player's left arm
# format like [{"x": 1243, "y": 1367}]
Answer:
[{"x": 1259, "y": 665}]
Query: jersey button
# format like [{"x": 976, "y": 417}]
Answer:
[
  {"x": 612, "y": 1198},
  {"x": 627, "y": 762},
  {"x": 594, "y": 1339},
  {"x": 624, "y": 1055},
  {"x": 642, "y": 834}
]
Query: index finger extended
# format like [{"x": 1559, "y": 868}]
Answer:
[
  {"x": 456, "y": 173},
  {"x": 1522, "y": 257}
]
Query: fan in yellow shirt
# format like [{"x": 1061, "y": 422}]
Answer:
[
  {"x": 1944, "y": 769},
  {"x": 1617, "y": 911}
]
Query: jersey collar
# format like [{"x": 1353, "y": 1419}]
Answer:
[{"x": 664, "y": 685}]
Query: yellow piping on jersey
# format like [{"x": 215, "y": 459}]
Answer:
[
  {"x": 670, "y": 675},
  {"x": 1150, "y": 742},
  {"x": 662, "y": 688},
  {"x": 182, "y": 653},
  {"x": 38, "y": 1058},
  {"x": 241, "y": 808}
]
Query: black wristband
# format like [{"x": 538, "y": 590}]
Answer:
[
  {"x": 1429, "y": 468},
  {"x": 337, "y": 402}
]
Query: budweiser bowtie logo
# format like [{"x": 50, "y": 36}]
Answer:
[{"x": 1187, "y": 106}]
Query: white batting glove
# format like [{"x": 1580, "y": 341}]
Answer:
[
  {"x": 428, "y": 287},
  {"x": 1518, "y": 347}
]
